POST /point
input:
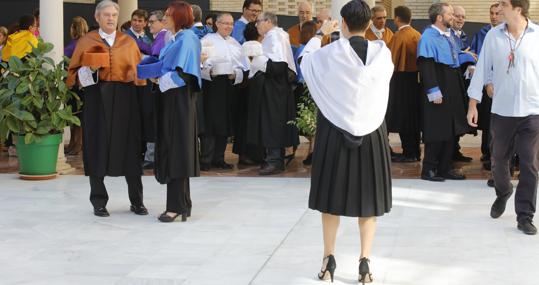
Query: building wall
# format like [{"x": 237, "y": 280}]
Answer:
[{"x": 476, "y": 10}]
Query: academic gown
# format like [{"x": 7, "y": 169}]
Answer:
[
  {"x": 176, "y": 147},
  {"x": 440, "y": 72},
  {"x": 403, "y": 114},
  {"x": 237, "y": 31},
  {"x": 271, "y": 100},
  {"x": 485, "y": 106},
  {"x": 111, "y": 118},
  {"x": 386, "y": 35}
]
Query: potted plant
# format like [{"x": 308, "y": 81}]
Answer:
[{"x": 33, "y": 107}]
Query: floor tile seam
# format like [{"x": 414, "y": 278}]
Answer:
[{"x": 278, "y": 247}]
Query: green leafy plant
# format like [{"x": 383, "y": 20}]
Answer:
[
  {"x": 306, "y": 116},
  {"x": 34, "y": 96}
]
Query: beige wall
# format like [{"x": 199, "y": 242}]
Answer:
[{"x": 476, "y": 10}]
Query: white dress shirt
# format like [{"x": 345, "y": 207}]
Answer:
[
  {"x": 110, "y": 38},
  {"x": 516, "y": 89},
  {"x": 378, "y": 33}
]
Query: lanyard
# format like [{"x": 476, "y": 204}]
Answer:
[{"x": 511, "y": 56}]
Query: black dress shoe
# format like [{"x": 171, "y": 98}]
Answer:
[
  {"x": 498, "y": 207},
  {"x": 139, "y": 210},
  {"x": 205, "y": 167},
  {"x": 403, "y": 159},
  {"x": 490, "y": 183},
  {"x": 432, "y": 176},
  {"x": 101, "y": 212},
  {"x": 453, "y": 175},
  {"x": 270, "y": 170},
  {"x": 169, "y": 219},
  {"x": 309, "y": 160},
  {"x": 222, "y": 165},
  {"x": 526, "y": 226},
  {"x": 461, "y": 158}
]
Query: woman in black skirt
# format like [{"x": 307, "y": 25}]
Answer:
[
  {"x": 176, "y": 151},
  {"x": 349, "y": 81}
]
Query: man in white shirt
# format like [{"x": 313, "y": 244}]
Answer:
[
  {"x": 222, "y": 73},
  {"x": 509, "y": 52}
]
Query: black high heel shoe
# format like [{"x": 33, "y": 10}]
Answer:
[
  {"x": 331, "y": 265},
  {"x": 365, "y": 275},
  {"x": 169, "y": 219}
]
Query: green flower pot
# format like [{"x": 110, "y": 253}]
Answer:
[{"x": 38, "y": 158}]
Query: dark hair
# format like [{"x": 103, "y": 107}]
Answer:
[
  {"x": 26, "y": 21},
  {"x": 247, "y": 3},
  {"x": 251, "y": 32},
  {"x": 182, "y": 14},
  {"x": 125, "y": 26},
  {"x": 308, "y": 30},
  {"x": 208, "y": 17},
  {"x": 524, "y": 5},
  {"x": 404, "y": 13},
  {"x": 494, "y": 5},
  {"x": 357, "y": 15},
  {"x": 435, "y": 10},
  {"x": 140, "y": 14},
  {"x": 36, "y": 13}
]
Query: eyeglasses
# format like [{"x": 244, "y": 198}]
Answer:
[
  {"x": 226, "y": 23},
  {"x": 255, "y": 11},
  {"x": 260, "y": 20}
]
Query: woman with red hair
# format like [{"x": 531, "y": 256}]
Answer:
[{"x": 176, "y": 150}]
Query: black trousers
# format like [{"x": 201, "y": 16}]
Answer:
[
  {"x": 438, "y": 157},
  {"x": 179, "y": 196},
  {"x": 522, "y": 134},
  {"x": 275, "y": 157},
  {"x": 485, "y": 143},
  {"x": 410, "y": 145},
  {"x": 99, "y": 196},
  {"x": 212, "y": 148}
]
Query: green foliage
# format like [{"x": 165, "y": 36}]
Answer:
[
  {"x": 306, "y": 117},
  {"x": 34, "y": 96}
]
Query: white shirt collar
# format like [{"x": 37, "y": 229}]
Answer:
[
  {"x": 379, "y": 33},
  {"x": 108, "y": 37},
  {"x": 173, "y": 37},
  {"x": 457, "y": 32},
  {"x": 198, "y": 24},
  {"x": 404, "y": 27},
  {"x": 137, "y": 34},
  {"x": 446, "y": 33},
  {"x": 242, "y": 19}
]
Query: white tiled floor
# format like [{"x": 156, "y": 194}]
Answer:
[{"x": 254, "y": 231}]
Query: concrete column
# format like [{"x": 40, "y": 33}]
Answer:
[
  {"x": 126, "y": 8},
  {"x": 52, "y": 30}
]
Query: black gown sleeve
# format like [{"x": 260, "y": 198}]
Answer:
[
  {"x": 190, "y": 80},
  {"x": 427, "y": 72}
]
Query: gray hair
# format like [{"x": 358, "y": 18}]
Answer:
[
  {"x": 269, "y": 16},
  {"x": 105, "y": 4},
  {"x": 197, "y": 13},
  {"x": 221, "y": 15},
  {"x": 158, "y": 14},
  {"x": 435, "y": 10}
]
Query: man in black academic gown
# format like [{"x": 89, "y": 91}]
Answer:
[
  {"x": 272, "y": 106},
  {"x": 444, "y": 116},
  {"x": 222, "y": 72}
]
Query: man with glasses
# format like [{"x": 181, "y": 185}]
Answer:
[
  {"x": 305, "y": 14},
  {"x": 378, "y": 29},
  {"x": 270, "y": 116},
  {"x": 251, "y": 10},
  {"x": 221, "y": 72},
  {"x": 509, "y": 60}
]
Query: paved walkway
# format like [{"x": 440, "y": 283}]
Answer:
[{"x": 254, "y": 231}]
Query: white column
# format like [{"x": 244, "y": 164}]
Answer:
[
  {"x": 51, "y": 14},
  {"x": 126, "y": 8},
  {"x": 336, "y": 6}
]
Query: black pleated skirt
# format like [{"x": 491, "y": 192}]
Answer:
[{"x": 346, "y": 180}]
